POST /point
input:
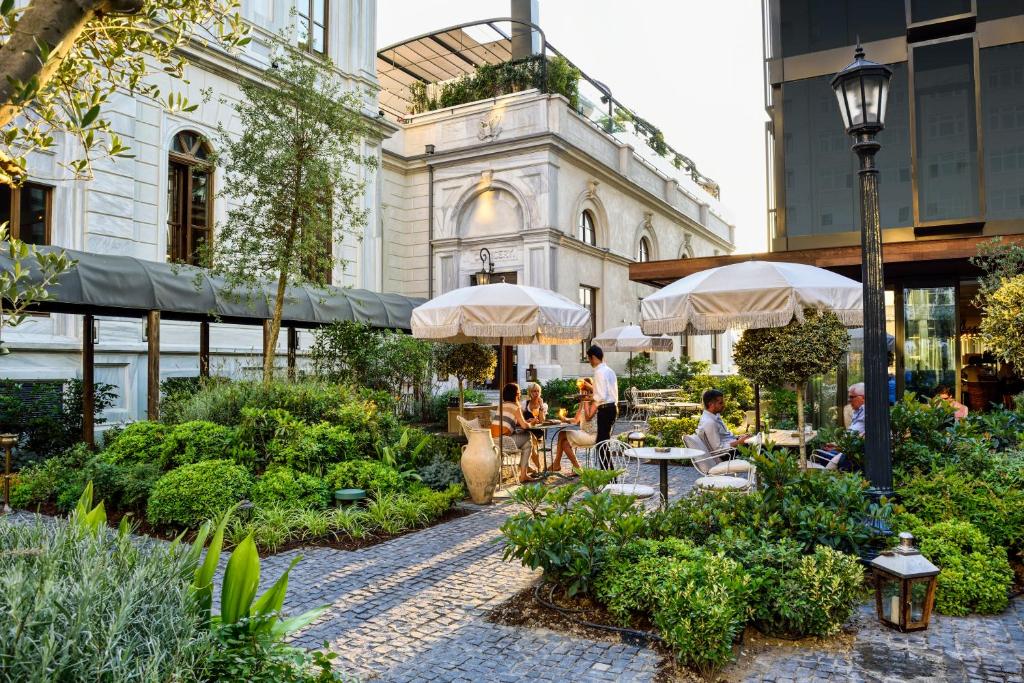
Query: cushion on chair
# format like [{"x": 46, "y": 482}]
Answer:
[
  {"x": 815, "y": 466},
  {"x": 638, "y": 490},
  {"x": 722, "y": 483},
  {"x": 732, "y": 467}
]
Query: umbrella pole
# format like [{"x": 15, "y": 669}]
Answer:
[
  {"x": 630, "y": 367},
  {"x": 501, "y": 406},
  {"x": 757, "y": 407}
]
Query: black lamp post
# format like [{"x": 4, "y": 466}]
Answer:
[
  {"x": 862, "y": 90},
  {"x": 483, "y": 277}
]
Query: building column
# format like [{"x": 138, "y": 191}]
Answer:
[
  {"x": 88, "y": 380},
  {"x": 153, "y": 365}
]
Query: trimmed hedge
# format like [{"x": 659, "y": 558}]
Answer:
[{"x": 187, "y": 496}]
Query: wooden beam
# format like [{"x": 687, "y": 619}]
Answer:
[
  {"x": 293, "y": 350},
  {"x": 204, "y": 349},
  {"x": 266, "y": 340},
  {"x": 153, "y": 365},
  {"x": 88, "y": 380}
]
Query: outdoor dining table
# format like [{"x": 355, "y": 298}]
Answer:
[
  {"x": 785, "y": 438},
  {"x": 663, "y": 456}
]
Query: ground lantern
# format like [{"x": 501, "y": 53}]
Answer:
[{"x": 904, "y": 586}]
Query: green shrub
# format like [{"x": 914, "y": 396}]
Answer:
[
  {"x": 192, "y": 493},
  {"x": 975, "y": 576},
  {"x": 559, "y": 392},
  {"x": 440, "y": 474},
  {"x": 627, "y": 585},
  {"x": 437, "y": 408},
  {"x": 1006, "y": 470},
  {"x": 947, "y": 495},
  {"x": 284, "y": 487},
  {"x": 137, "y": 442},
  {"x": 313, "y": 448},
  {"x": 701, "y": 610},
  {"x": 195, "y": 441},
  {"x": 670, "y": 431},
  {"x": 374, "y": 477},
  {"x": 83, "y": 605}
]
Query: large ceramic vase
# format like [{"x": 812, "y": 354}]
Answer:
[{"x": 480, "y": 466}]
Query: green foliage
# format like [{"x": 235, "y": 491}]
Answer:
[
  {"x": 33, "y": 272},
  {"x": 48, "y": 416},
  {"x": 641, "y": 364},
  {"x": 137, "y": 442},
  {"x": 74, "y": 593},
  {"x": 570, "y": 540},
  {"x": 630, "y": 583},
  {"x": 192, "y": 493},
  {"x": 372, "y": 476},
  {"x": 191, "y": 442},
  {"x": 1006, "y": 470},
  {"x": 670, "y": 431},
  {"x": 467, "y": 363},
  {"x": 559, "y": 393},
  {"x": 383, "y": 360},
  {"x": 948, "y": 495},
  {"x": 312, "y": 448},
  {"x": 293, "y": 181},
  {"x": 176, "y": 392},
  {"x": 1002, "y": 326},
  {"x": 739, "y": 394},
  {"x": 440, "y": 474},
  {"x": 437, "y": 407},
  {"x": 284, "y": 487},
  {"x": 975, "y": 576}
]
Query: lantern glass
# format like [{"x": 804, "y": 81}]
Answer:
[
  {"x": 889, "y": 599},
  {"x": 841, "y": 97},
  {"x": 920, "y": 604}
]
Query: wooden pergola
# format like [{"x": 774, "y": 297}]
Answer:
[{"x": 127, "y": 287}]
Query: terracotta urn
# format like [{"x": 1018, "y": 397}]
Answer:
[{"x": 480, "y": 466}]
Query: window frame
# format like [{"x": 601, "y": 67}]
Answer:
[
  {"x": 14, "y": 224},
  {"x": 585, "y": 223},
  {"x": 643, "y": 251},
  {"x": 189, "y": 160},
  {"x": 307, "y": 46},
  {"x": 592, "y": 307}
]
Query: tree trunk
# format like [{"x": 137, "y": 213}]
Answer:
[
  {"x": 462, "y": 400},
  {"x": 56, "y": 24},
  {"x": 800, "y": 422}
]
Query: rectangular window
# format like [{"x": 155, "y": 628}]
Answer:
[
  {"x": 312, "y": 16},
  {"x": 188, "y": 212},
  {"x": 929, "y": 10},
  {"x": 588, "y": 300},
  {"x": 1002, "y": 118},
  {"x": 947, "y": 131},
  {"x": 26, "y": 210},
  {"x": 814, "y": 25}
]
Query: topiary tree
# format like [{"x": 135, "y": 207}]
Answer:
[
  {"x": 775, "y": 356},
  {"x": 1002, "y": 327},
  {"x": 466, "y": 363}
]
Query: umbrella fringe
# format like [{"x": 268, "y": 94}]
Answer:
[{"x": 714, "y": 324}]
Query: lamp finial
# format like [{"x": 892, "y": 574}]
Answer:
[{"x": 859, "y": 52}]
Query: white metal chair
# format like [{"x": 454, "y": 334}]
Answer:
[
  {"x": 822, "y": 460},
  {"x": 613, "y": 453},
  {"x": 728, "y": 462},
  {"x": 720, "y": 469}
]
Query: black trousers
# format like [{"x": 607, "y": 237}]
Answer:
[{"x": 606, "y": 414}]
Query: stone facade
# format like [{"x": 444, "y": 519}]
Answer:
[{"x": 514, "y": 174}]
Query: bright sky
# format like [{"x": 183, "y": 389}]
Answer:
[{"x": 693, "y": 68}]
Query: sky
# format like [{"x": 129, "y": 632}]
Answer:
[{"x": 691, "y": 67}]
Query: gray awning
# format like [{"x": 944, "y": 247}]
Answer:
[{"x": 102, "y": 284}]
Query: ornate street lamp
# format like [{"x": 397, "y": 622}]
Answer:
[
  {"x": 486, "y": 268},
  {"x": 862, "y": 90}
]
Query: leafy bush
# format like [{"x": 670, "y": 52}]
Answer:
[
  {"x": 559, "y": 393},
  {"x": 313, "y": 448},
  {"x": 670, "y": 431},
  {"x": 192, "y": 493},
  {"x": 137, "y": 442},
  {"x": 570, "y": 539},
  {"x": 440, "y": 474},
  {"x": 437, "y": 408},
  {"x": 1006, "y": 470},
  {"x": 194, "y": 441},
  {"x": 628, "y": 586},
  {"x": 975, "y": 576},
  {"x": 284, "y": 487},
  {"x": 48, "y": 415},
  {"x": 793, "y": 594},
  {"x": 947, "y": 495},
  {"x": 374, "y": 477},
  {"x": 72, "y": 596}
]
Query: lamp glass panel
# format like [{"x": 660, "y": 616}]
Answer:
[
  {"x": 841, "y": 98},
  {"x": 918, "y": 596},
  {"x": 873, "y": 97},
  {"x": 883, "y": 98},
  {"x": 892, "y": 600},
  {"x": 855, "y": 100}
]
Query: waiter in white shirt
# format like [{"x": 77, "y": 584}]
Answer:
[{"x": 606, "y": 395}]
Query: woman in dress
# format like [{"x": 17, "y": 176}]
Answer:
[
  {"x": 535, "y": 410},
  {"x": 514, "y": 425},
  {"x": 586, "y": 436}
]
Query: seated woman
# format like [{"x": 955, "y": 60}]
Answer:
[
  {"x": 514, "y": 425},
  {"x": 959, "y": 409},
  {"x": 535, "y": 410},
  {"x": 586, "y": 418}
]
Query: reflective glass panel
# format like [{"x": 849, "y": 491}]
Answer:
[
  {"x": 929, "y": 346},
  {"x": 1002, "y": 120},
  {"x": 813, "y": 25},
  {"x": 947, "y": 134},
  {"x": 927, "y": 10},
  {"x": 33, "y": 214}
]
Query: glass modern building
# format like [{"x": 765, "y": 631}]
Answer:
[{"x": 952, "y": 168}]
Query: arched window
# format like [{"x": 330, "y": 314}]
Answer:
[
  {"x": 585, "y": 230},
  {"x": 643, "y": 253},
  {"x": 189, "y": 198}
]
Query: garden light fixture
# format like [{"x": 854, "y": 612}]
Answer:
[
  {"x": 862, "y": 91},
  {"x": 483, "y": 277},
  {"x": 904, "y": 586}
]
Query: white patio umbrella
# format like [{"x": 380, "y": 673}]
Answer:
[
  {"x": 631, "y": 339},
  {"x": 501, "y": 314},
  {"x": 750, "y": 294}
]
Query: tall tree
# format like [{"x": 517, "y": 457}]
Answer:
[
  {"x": 62, "y": 60},
  {"x": 293, "y": 176},
  {"x": 466, "y": 363}
]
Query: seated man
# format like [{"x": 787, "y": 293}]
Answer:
[
  {"x": 855, "y": 395},
  {"x": 712, "y": 425}
]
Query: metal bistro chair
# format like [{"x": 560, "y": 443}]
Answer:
[
  {"x": 613, "y": 452},
  {"x": 510, "y": 453},
  {"x": 717, "y": 467}
]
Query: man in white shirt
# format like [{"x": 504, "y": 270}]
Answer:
[{"x": 606, "y": 393}]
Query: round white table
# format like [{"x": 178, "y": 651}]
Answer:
[{"x": 651, "y": 453}]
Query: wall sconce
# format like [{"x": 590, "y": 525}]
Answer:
[
  {"x": 486, "y": 267},
  {"x": 429, "y": 149}
]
